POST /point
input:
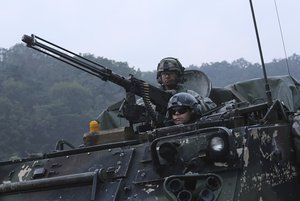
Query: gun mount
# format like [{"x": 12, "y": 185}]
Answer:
[{"x": 132, "y": 86}]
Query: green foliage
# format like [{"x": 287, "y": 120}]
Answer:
[
  {"x": 70, "y": 97},
  {"x": 43, "y": 100}
]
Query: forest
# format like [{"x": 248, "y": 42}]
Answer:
[{"x": 43, "y": 100}]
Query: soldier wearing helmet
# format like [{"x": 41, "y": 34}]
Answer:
[
  {"x": 183, "y": 108},
  {"x": 170, "y": 75}
]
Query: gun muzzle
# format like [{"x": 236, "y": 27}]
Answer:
[{"x": 29, "y": 40}]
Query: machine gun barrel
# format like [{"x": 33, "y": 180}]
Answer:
[{"x": 138, "y": 87}]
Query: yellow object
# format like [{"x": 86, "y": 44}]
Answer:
[{"x": 94, "y": 126}]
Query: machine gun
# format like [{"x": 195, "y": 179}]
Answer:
[{"x": 132, "y": 86}]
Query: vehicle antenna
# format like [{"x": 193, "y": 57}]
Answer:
[
  {"x": 282, "y": 38},
  {"x": 267, "y": 86}
]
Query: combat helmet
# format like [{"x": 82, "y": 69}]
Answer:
[
  {"x": 169, "y": 64},
  {"x": 184, "y": 99}
]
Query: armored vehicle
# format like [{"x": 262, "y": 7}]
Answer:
[{"x": 246, "y": 149}]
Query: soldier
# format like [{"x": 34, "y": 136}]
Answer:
[
  {"x": 183, "y": 108},
  {"x": 170, "y": 75}
]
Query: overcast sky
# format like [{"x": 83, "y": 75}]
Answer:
[{"x": 142, "y": 32}]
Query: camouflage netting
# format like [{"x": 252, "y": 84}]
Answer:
[
  {"x": 110, "y": 119},
  {"x": 283, "y": 88}
]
